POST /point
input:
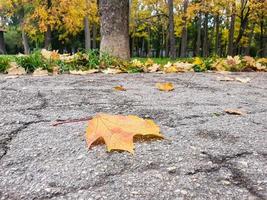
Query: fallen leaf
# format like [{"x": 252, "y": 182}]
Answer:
[
  {"x": 119, "y": 88},
  {"x": 234, "y": 112},
  {"x": 56, "y": 71},
  {"x": 171, "y": 69},
  {"x": 80, "y": 72},
  {"x": 112, "y": 71},
  {"x": 118, "y": 131},
  {"x": 11, "y": 77},
  {"x": 226, "y": 79},
  {"x": 243, "y": 80},
  {"x": 15, "y": 70},
  {"x": 40, "y": 72},
  {"x": 153, "y": 68},
  {"x": 165, "y": 87}
]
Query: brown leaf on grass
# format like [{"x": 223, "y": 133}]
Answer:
[
  {"x": 15, "y": 70},
  {"x": 165, "y": 87},
  {"x": 234, "y": 112},
  {"x": 119, "y": 88},
  {"x": 118, "y": 131}
]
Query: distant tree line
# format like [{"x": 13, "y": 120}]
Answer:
[{"x": 143, "y": 28}]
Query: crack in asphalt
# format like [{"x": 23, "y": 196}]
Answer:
[
  {"x": 238, "y": 178},
  {"x": 43, "y": 104},
  {"x": 4, "y": 144}
]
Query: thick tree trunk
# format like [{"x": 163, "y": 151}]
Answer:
[
  {"x": 198, "y": 45},
  {"x": 184, "y": 31},
  {"x": 48, "y": 38},
  {"x": 172, "y": 52},
  {"x": 206, "y": 37},
  {"x": 115, "y": 28},
  {"x": 230, "y": 50},
  {"x": 2, "y": 43},
  {"x": 87, "y": 33}
]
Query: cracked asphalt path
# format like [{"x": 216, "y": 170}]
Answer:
[{"x": 207, "y": 154}]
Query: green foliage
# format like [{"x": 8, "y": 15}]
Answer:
[
  {"x": 32, "y": 61},
  {"x": 4, "y": 63}
]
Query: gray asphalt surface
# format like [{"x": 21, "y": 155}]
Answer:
[{"x": 207, "y": 154}]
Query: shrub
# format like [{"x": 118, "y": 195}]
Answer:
[
  {"x": 32, "y": 62},
  {"x": 4, "y": 63}
]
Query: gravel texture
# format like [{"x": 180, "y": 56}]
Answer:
[{"x": 207, "y": 154}]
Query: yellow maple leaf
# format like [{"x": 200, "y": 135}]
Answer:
[
  {"x": 118, "y": 131},
  {"x": 165, "y": 87}
]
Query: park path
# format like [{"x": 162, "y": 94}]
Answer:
[{"x": 207, "y": 154}]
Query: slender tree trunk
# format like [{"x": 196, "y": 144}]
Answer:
[
  {"x": 167, "y": 42},
  {"x": 25, "y": 42},
  {"x": 87, "y": 33},
  {"x": 184, "y": 31},
  {"x": 115, "y": 28},
  {"x": 250, "y": 37},
  {"x": 230, "y": 50},
  {"x": 217, "y": 34},
  {"x": 171, "y": 30},
  {"x": 206, "y": 37},
  {"x": 198, "y": 52},
  {"x": 94, "y": 35},
  {"x": 48, "y": 38},
  {"x": 48, "y": 33},
  {"x": 2, "y": 43},
  {"x": 132, "y": 46}
]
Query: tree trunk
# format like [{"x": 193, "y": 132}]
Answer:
[
  {"x": 217, "y": 34},
  {"x": 250, "y": 37},
  {"x": 206, "y": 37},
  {"x": 184, "y": 31},
  {"x": 2, "y": 43},
  {"x": 48, "y": 33},
  {"x": 171, "y": 31},
  {"x": 25, "y": 42},
  {"x": 198, "y": 35},
  {"x": 48, "y": 38},
  {"x": 87, "y": 33},
  {"x": 94, "y": 35},
  {"x": 232, "y": 31},
  {"x": 114, "y": 16}
]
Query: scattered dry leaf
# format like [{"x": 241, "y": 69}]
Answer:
[
  {"x": 119, "y": 88},
  {"x": 15, "y": 70},
  {"x": 234, "y": 112},
  {"x": 243, "y": 80},
  {"x": 80, "y": 72},
  {"x": 118, "y": 131},
  {"x": 165, "y": 87},
  {"x": 40, "y": 72},
  {"x": 55, "y": 71},
  {"x": 153, "y": 68},
  {"x": 112, "y": 71},
  {"x": 11, "y": 77},
  {"x": 226, "y": 79}
]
